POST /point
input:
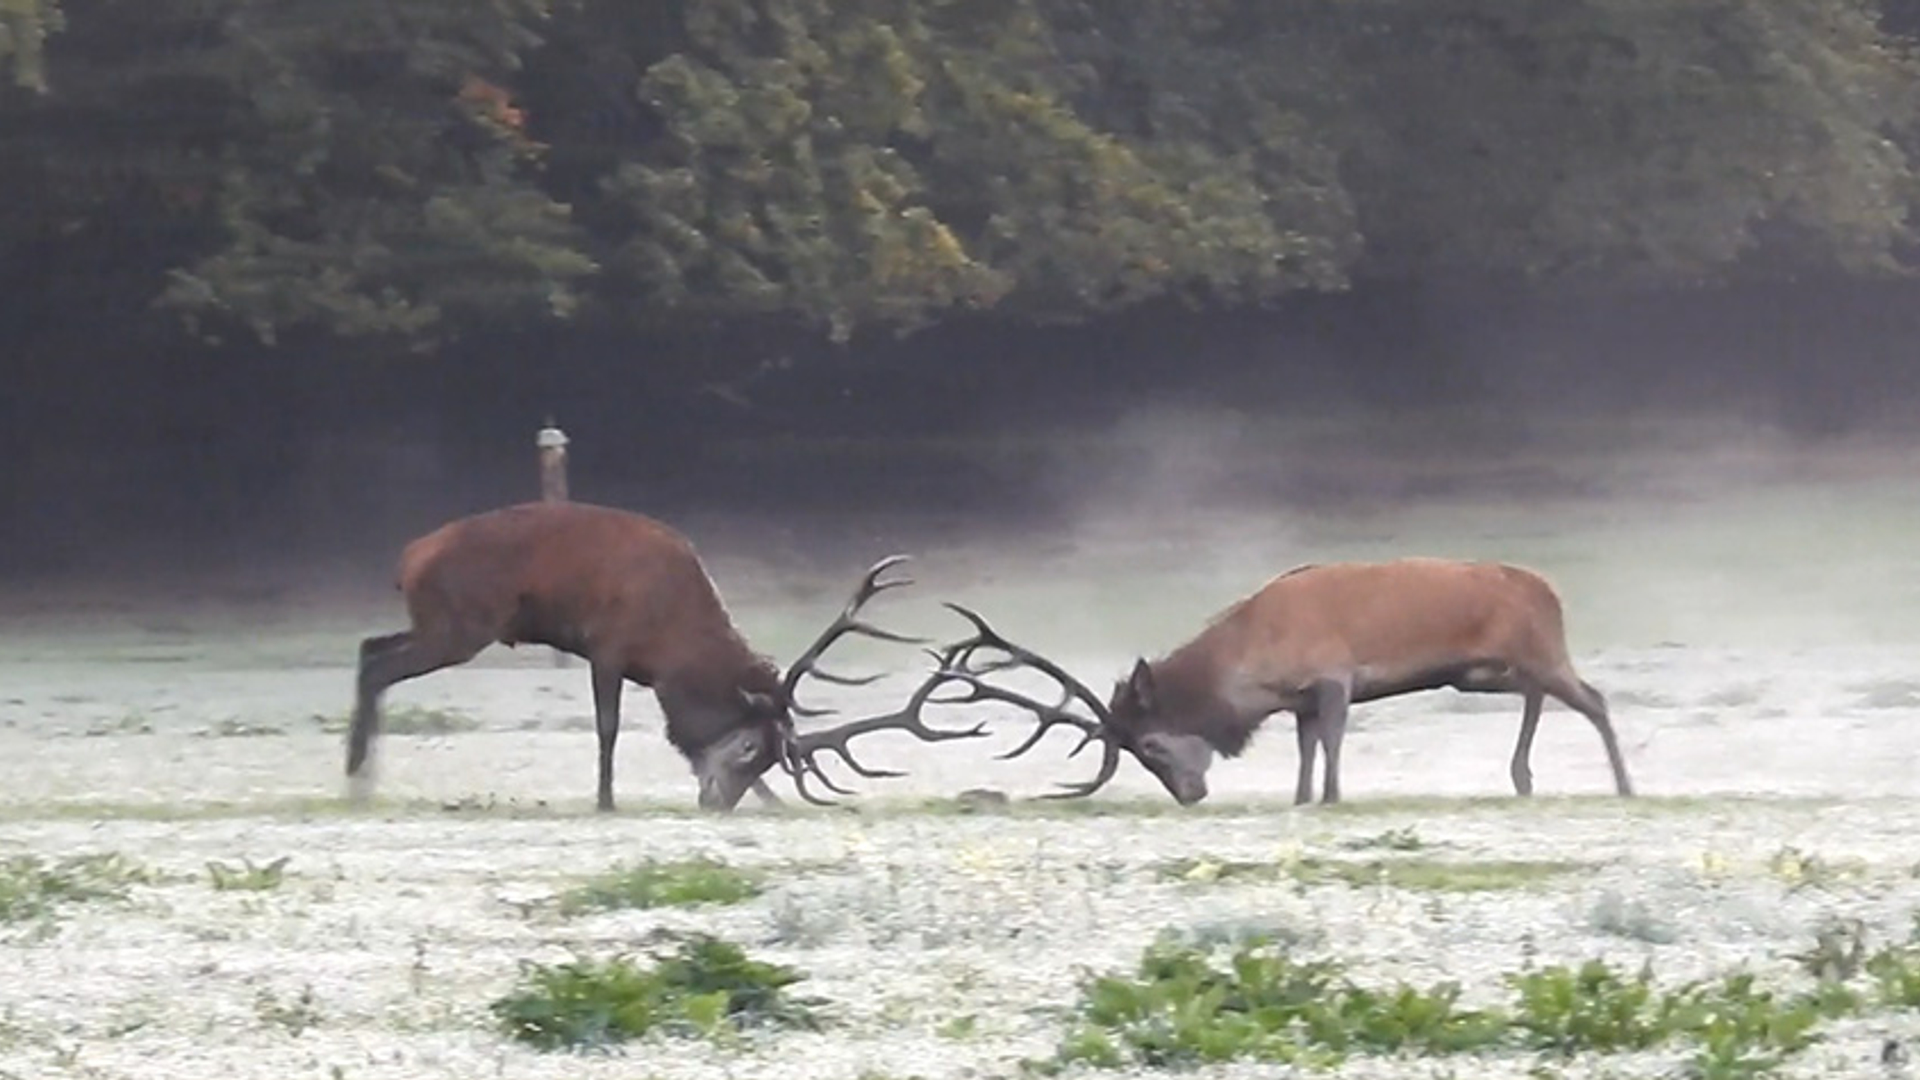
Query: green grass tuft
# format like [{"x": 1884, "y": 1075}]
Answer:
[
  {"x": 651, "y": 884},
  {"x": 408, "y": 720},
  {"x": 32, "y": 888},
  {"x": 1423, "y": 875}
]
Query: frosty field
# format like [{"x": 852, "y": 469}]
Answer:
[{"x": 1756, "y": 628}]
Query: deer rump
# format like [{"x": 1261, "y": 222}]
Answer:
[
  {"x": 1314, "y": 641},
  {"x": 629, "y": 595}
]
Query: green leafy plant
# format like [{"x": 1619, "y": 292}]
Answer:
[
  {"x": 650, "y": 884},
  {"x": 1895, "y": 970},
  {"x": 1180, "y": 1010},
  {"x": 703, "y": 987},
  {"x": 1191, "y": 1003},
  {"x": 1592, "y": 1007}
]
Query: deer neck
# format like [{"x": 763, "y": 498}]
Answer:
[
  {"x": 704, "y": 701},
  {"x": 1202, "y": 697}
]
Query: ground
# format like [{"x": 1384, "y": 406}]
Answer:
[{"x": 1752, "y": 615}]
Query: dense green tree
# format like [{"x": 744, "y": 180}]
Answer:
[
  {"x": 414, "y": 170},
  {"x": 881, "y": 161},
  {"x": 1627, "y": 139},
  {"x": 386, "y": 184}
]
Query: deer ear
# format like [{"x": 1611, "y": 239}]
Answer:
[
  {"x": 1140, "y": 682},
  {"x": 757, "y": 704}
]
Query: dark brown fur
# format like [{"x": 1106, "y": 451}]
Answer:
[{"x": 622, "y": 591}]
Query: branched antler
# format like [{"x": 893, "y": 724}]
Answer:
[
  {"x": 960, "y": 666},
  {"x": 803, "y": 750},
  {"x": 799, "y": 756},
  {"x": 847, "y": 622}
]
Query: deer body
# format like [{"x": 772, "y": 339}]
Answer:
[
  {"x": 620, "y": 590},
  {"x": 1315, "y": 641},
  {"x": 1319, "y": 639}
]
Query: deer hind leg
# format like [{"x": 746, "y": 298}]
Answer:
[
  {"x": 1332, "y": 701},
  {"x": 384, "y": 661},
  {"x": 1522, "y": 768},
  {"x": 1500, "y": 679},
  {"x": 1582, "y": 698}
]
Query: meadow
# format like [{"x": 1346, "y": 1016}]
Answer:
[{"x": 185, "y": 891}]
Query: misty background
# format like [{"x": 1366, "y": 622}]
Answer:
[{"x": 258, "y": 462}]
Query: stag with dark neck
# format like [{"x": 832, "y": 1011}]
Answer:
[{"x": 629, "y": 595}]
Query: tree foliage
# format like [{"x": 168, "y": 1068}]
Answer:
[
  {"x": 415, "y": 170},
  {"x": 1628, "y": 139}
]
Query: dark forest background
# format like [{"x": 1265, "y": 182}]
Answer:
[{"x": 283, "y": 275}]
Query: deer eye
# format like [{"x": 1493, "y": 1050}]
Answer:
[{"x": 749, "y": 750}]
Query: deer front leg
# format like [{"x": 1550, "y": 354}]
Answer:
[
  {"x": 1307, "y": 735},
  {"x": 1331, "y": 699},
  {"x": 606, "y": 722}
]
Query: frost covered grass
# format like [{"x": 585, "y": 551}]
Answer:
[
  {"x": 909, "y": 940},
  {"x": 1760, "y": 663}
]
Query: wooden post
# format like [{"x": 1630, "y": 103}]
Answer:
[
  {"x": 553, "y": 462},
  {"x": 552, "y": 443}
]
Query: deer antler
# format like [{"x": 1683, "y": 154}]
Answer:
[
  {"x": 799, "y": 758},
  {"x": 802, "y": 751},
  {"x": 847, "y": 622},
  {"x": 960, "y": 667}
]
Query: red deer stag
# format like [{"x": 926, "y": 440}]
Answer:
[
  {"x": 627, "y": 594},
  {"x": 1313, "y": 641}
]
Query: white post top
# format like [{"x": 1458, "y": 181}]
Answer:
[{"x": 551, "y": 438}]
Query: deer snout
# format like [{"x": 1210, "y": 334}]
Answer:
[
  {"x": 1188, "y": 790},
  {"x": 719, "y": 795}
]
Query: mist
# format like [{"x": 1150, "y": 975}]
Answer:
[{"x": 1187, "y": 456}]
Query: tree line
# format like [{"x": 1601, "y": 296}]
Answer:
[{"x": 418, "y": 171}]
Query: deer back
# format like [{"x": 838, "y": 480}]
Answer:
[
  {"x": 614, "y": 586},
  {"x": 1386, "y": 621}
]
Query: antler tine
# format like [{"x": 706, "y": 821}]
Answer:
[
  {"x": 986, "y": 637},
  {"x": 1109, "y": 764},
  {"x": 1050, "y": 716},
  {"x": 847, "y": 622},
  {"x": 798, "y": 769},
  {"x": 908, "y": 718}
]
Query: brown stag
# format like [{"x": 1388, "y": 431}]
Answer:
[
  {"x": 1314, "y": 641},
  {"x": 629, "y": 595}
]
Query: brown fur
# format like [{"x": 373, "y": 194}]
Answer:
[{"x": 1363, "y": 631}]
